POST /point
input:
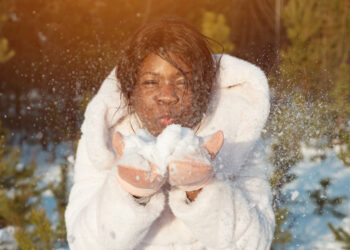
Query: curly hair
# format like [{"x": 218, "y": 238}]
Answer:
[{"x": 162, "y": 37}]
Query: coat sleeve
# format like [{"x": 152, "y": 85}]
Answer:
[
  {"x": 239, "y": 107},
  {"x": 100, "y": 214},
  {"x": 235, "y": 214}
]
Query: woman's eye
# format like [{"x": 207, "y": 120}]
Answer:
[
  {"x": 149, "y": 82},
  {"x": 181, "y": 82}
]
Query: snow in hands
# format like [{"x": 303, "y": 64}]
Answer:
[{"x": 175, "y": 142}]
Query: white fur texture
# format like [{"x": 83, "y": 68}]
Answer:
[{"x": 232, "y": 212}]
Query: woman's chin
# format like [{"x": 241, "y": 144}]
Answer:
[{"x": 156, "y": 131}]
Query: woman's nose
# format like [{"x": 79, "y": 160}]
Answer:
[{"x": 167, "y": 95}]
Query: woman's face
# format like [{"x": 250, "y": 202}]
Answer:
[{"x": 161, "y": 96}]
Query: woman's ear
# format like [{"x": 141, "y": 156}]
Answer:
[
  {"x": 118, "y": 143},
  {"x": 214, "y": 143}
]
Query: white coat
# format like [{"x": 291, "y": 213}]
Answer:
[{"x": 232, "y": 212}]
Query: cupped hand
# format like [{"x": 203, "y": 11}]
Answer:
[
  {"x": 192, "y": 172},
  {"x": 134, "y": 180}
]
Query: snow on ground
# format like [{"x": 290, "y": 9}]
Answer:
[
  {"x": 6, "y": 238},
  {"x": 48, "y": 167},
  {"x": 310, "y": 231}
]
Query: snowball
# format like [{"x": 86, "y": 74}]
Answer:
[{"x": 173, "y": 143}]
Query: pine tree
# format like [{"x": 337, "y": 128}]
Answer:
[
  {"x": 5, "y": 52},
  {"x": 340, "y": 107},
  {"x": 316, "y": 64},
  {"x": 311, "y": 88},
  {"x": 61, "y": 192},
  {"x": 19, "y": 191},
  {"x": 20, "y": 198},
  {"x": 40, "y": 234},
  {"x": 20, "y": 194},
  {"x": 323, "y": 202},
  {"x": 214, "y": 26},
  {"x": 282, "y": 235},
  {"x": 288, "y": 124},
  {"x": 341, "y": 235}
]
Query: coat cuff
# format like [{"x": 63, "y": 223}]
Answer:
[
  {"x": 115, "y": 195},
  {"x": 122, "y": 214},
  {"x": 213, "y": 191},
  {"x": 210, "y": 216}
]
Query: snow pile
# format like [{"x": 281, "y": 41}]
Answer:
[
  {"x": 7, "y": 240},
  {"x": 309, "y": 229},
  {"x": 173, "y": 143}
]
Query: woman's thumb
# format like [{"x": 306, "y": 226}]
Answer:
[
  {"x": 214, "y": 143},
  {"x": 118, "y": 143}
]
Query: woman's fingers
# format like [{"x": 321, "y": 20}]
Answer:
[
  {"x": 136, "y": 181},
  {"x": 140, "y": 182},
  {"x": 189, "y": 172},
  {"x": 139, "y": 178},
  {"x": 194, "y": 172}
]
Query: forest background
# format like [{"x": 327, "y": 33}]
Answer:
[{"x": 54, "y": 55}]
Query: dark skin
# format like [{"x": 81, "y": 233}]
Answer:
[{"x": 162, "y": 97}]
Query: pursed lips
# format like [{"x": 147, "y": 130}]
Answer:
[{"x": 166, "y": 119}]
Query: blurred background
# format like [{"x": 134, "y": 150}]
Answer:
[{"x": 54, "y": 55}]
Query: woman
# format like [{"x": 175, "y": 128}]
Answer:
[{"x": 166, "y": 75}]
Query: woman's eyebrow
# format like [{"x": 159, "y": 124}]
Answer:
[
  {"x": 149, "y": 73},
  {"x": 181, "y": 73}
]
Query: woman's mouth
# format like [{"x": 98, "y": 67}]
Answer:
[{"x": 166, "y": 120}]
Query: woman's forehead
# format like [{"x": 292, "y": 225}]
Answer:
[{"x": 155, "y": 64}]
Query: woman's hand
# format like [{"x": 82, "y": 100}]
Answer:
[
  {"x": 136, "y": 181},
  {"x": 192, "y": 172}
]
